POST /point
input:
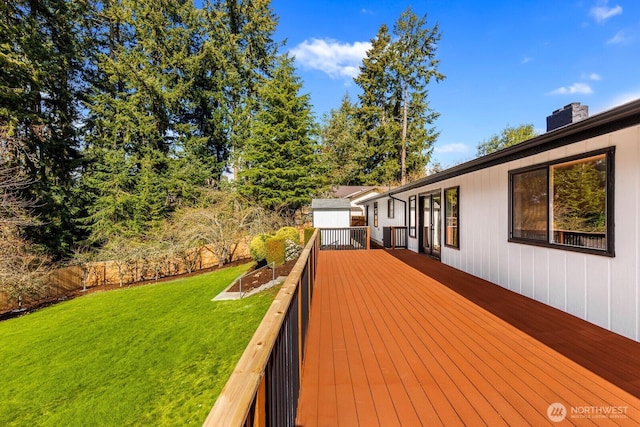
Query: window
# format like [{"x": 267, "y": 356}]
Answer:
[
  {"x": 375, "y": 214},
  {"x": 530, "y": 204},
  {"x": 412, "y": 216},
  {"x": 566, "y": 204},
  {"x": 451, "y": 212},
  {"x": 390, "y": 213}
]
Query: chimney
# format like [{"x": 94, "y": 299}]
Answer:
[{"x": 567, "y": 115}]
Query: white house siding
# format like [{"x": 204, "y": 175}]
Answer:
[
  {"x": 399, "y": 210},
  {"x": 331, "y": 218},
  {"x": 602, "y": 290}
]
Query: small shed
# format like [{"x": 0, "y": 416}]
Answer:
[{"x": 331, "y": 213}]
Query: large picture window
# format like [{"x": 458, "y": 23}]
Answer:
[
  {"x": 451, "y": 212},
  {"x": 568, "y": 203}
]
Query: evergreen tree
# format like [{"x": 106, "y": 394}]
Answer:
[
  {"x": 135, "y": 122},
  {"x": 251, "y": 54},
  {"x": 579, "y": 196},
  {"x": 394, "y": 117},
  {"x": 343, "y": 151},
  {"x": 375, "y": 123},
  {"x": 414, "y": 65},
  {"x": 205, "y": 116},
  {"x": 41, "y": 58},
  {"x": 282, "y": 168}
]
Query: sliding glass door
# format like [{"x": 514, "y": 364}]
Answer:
[{"x": 431, "y": 224}]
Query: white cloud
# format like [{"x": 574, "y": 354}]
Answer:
[
  {"x": 526, "y": 60},
  {"x": 456, "y": 147},
  {"x": 602, "y": 12},
  {"x": 579, "y": 88},
  {"x": 594, "y": 77},
  {"x": 366, "y": 11},
  {"x": 621, "y": 37},
  {"x": 336, "y": 59}
]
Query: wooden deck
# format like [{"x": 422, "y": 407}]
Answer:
[{"x": 390, "y": 344}]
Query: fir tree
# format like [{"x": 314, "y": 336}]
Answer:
[
  {"x": 282, "y": 168},
  {"x": 251, "y": 54},
  {"x": 135, "y": 121},
  {"x": 394, "y": 117},
  {"x": 41, "y": 59},
  {"x": 343, "y": 152}
]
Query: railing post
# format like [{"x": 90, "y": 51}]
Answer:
[
  {"x": 260, "y": 413},
  {"x": 393, "y": 237},
  {"x": 368, "y": 237}
]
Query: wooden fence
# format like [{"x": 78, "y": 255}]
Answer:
[{"x": 69, "y": 280}]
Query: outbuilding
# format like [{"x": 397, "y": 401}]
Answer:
[{"x": 331, "y": 213}]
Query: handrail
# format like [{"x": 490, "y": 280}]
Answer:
[{"x": 254, "y": 393}]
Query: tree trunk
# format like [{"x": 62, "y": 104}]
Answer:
[{"x": 403, "y": 150}]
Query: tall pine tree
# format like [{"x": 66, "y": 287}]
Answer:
[
  {"x": 282, "y": 170},
  {"x": 414, "y": 65},
  {"x": 252, "y": 54},
  {"x": 342, "y": 150},
  {"x": 394, "y": 117},
  {"x": 134, "y": 113},
  {"x": 40, "y": 57},
  {"x": 376, "y": 124}
]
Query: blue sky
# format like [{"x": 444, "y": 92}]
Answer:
[{"x": 506, "y": 62}]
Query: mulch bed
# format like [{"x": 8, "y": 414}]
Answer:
[{"x": 260, "y": 276}]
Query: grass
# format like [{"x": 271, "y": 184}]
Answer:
[{"x": 151, "y": 355}]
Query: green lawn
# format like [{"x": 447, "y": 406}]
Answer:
[{"x": 152, "y": 355}]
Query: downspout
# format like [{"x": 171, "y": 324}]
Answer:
[{"x": 404, "y": 211}]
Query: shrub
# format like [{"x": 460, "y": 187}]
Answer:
[
  {"x": 257, "y": 247},
  {"x": 289, "y": 233},
  {"x": 308, "y": 232},
  {"x": 275, "y": 250},
  {"x": 292, "y": 250}
]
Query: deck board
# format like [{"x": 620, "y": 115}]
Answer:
[{"x": 404, "y": 340}]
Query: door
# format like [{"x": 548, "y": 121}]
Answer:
[{"x": 431, "y": 224}]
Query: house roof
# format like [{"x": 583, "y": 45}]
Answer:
[
  {"x": 318, "y": 204},
  {"x": 608, "y": 121},
  {"x": 351, "y": 191}
]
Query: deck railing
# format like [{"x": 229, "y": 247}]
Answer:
[
  {"x": 347, "y": 238},
  {"x": 263, "y": 389},
  {"x": 394, "y": 237},
  {"x": 580, "y": 239}
]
